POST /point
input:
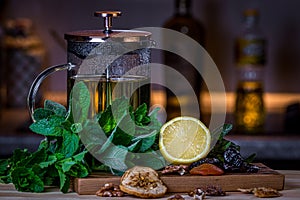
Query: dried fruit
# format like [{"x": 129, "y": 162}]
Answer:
[
  {"x": 180, "y": 169},
  {"x": 206, "y": 169},
  {"x": 234, "y": 162},
  {"x": 142, "y": 182},
  {"x": 110, "y": 190},
  {"x": 214, "y": 161}
]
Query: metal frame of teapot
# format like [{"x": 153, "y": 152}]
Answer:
[{"x": 105, "y": 56}]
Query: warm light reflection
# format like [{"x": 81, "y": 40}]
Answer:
[{"x": 274, "y": 102}]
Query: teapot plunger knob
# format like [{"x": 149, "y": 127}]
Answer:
[{"x": 107, "y": 16}]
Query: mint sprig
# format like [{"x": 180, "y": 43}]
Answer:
[{"x": 121, "y": 136}]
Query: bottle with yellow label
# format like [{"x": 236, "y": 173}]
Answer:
[{"x": 250, "y": 58}]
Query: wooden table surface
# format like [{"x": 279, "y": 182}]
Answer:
[{"x": 291, "y": 191}]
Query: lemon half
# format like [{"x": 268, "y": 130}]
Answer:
[{"x": 184, "y": 140}]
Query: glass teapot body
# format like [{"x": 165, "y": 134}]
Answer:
[
  {"x": 111, "y": 68},
  {"x": 112, "y": 64}
]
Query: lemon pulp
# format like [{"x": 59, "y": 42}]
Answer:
[{"x": 184, "y": 140}]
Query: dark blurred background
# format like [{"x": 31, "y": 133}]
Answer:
[{"x": 222, "y": 20}]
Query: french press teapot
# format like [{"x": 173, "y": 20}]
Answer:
[{"x": 112, "y": 63}]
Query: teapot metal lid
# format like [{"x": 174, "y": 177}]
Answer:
[{"x": 130, "y": 36}]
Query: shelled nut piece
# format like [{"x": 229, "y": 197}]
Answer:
[
  {"x": 142, "y": 182},
  {"x": 176, "y": 197},
  {"x": 197, "y": 194},
  {"x": 180, "y": 169},
  {"x": 262, "y": 192},
  {"x": 109, "y": 190}
]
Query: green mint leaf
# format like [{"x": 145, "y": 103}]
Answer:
[
  {"x": 34, "y": 158},
  {"x": 57, "y": 108},
  {"x": 66, "y": 186},
  {"x": 151, "y": 159},
  {"x": 79, "y": 170},
  {"x": 71, "y": 166},
  {"x": 66, "y": 164},
  {"x": 154, "y": 123},
  {"x": 80, "y": 103},
  {"x": 80, "y": 156},
  {"x": 250, "y": 158},
  {"x": 92, "y": 135},
  {"x": 140, "y": 113},
  {"x": 135, "y": 146},
  {"x": 119, "y": 108},
  {"x": 49, "y": 126},
  {"x": 148, "y": 141},
  {"x": 5, "y": 171},
  {"x": 109, "y": 118},
  {"x": 3, "y": 166},
  {"x": 145, "y": 136},
  {"x": 62, "y": 177},
  {"x": 41, "y": 113},
  {"x": 44, "y": 144},
  {"x": 70, "y": 143},
  {"x": 124, "y": 131},
  {"x": 50, "y": 161},
  {"x": 18, "y": 155},
  {"x": 25, "y": 180},
  {"x": 106, "y": 144},
  {"x": 115, "y": 157},
  {"x": 107, "y": 121},
  {"x": 226, "y": 129},
  {"x": 76, "y": 127}
]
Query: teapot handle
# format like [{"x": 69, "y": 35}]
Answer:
[{"x": 37, "y": 82}]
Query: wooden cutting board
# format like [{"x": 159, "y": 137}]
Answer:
[{"x": 265, "y": 177}]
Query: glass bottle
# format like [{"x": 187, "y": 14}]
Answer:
[
  {"x": 250, "y": 60},
  {"x": 184, "y": 22}
]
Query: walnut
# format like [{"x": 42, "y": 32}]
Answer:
[
  {"x": 197, "y": 194},
  {"x": 110, "y": 190},
  {"x": 261, "y": 192},
  {"x": 213, "y": 191},
  {"x": 142, "y": 180},
  {"x": 264, "y": 192},
  {"x": 180, "y": 169}
]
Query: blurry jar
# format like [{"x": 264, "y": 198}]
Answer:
[
  {"x": 24, "y": 55},
  {"x": 250, "y": 60}
]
